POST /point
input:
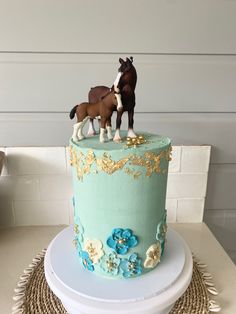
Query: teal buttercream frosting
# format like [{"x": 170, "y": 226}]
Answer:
[{"x": 119, "y": 204}]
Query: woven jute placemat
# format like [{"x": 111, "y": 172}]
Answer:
[{"x": 33, "y": 295}]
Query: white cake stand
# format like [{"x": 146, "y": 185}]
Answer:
[{"x": 83, "y": 292}]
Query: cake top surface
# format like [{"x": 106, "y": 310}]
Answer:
[{"x": 152, "y": 141}]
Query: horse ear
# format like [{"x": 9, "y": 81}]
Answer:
[
  {"x": 130, "y": 60},
  {"x": 121, "y": 61}
]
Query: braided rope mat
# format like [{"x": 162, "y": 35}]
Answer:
[{"x": 33, "y": 295}]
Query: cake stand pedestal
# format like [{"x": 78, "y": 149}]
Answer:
[{"x": 83, "y": 292}]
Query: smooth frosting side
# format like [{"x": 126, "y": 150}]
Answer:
[{"x": 119, "y": 204}]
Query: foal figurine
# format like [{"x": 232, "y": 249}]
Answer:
[{"x": 102, "y": 108}]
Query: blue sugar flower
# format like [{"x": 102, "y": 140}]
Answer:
[
  {"x": 78, "y": 246},
  {"x": 161, "y": 231},
  {"x": 121, "y": 240},
  {"x": 86, "y": 261},
  {"x": 78, "y": 229},
  {"x": 110, "y": 264},
  {"x": 73, "y": 202},
  {"x": 131, "y": 267}
]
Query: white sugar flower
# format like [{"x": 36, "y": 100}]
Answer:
[
  {"x": 94, "y": 249},
  {"x": 153, "y": 255}
]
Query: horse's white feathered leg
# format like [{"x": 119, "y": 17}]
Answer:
[
  {"x": 117, "y": 137},
  {"x": 102, "y": 135},
  {"x": 91, "y": 129},
  {"x": 131, "y": 133},
  {"x": 109, "y": 133}
]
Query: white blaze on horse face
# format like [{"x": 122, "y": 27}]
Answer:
[
  {"x": 116, "y": 89},
  {"x": 119, "y": 102}
]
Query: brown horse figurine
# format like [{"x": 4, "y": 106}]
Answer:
[
  {"x": 127, "y": 82},
  {"x": 102, "y": 108}
]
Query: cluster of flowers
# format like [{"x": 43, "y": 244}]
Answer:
[{"x": 120, "y": 241}]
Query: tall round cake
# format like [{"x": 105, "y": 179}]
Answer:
[{"x": 119, "y": 203}]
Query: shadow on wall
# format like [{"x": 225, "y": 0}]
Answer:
[{"x": 222, "y": 225}]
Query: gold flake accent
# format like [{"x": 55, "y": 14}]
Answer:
[
  {"x": 75, "y": 241},
  {"x": 133, "y": 173},
  {"x": 110, "y": 166},
  {"x": 76, "y": 229},
  {"x": 89, "y": 163}
]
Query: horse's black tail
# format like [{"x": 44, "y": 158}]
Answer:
[{"x": 73, "y": 111}]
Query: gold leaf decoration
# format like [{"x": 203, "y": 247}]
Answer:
[
  {"x": 89, "y": 163},
  {"x": 110, "y": 166}
]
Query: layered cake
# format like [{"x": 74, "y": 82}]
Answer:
[
  {"x": 119, "y": 203},
  {"x": 119, "y": 186}
]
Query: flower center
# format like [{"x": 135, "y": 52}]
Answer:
[
  {"x": 131, "y": 266},
  {"x": 110, "y": 265},
  {"x": 153, "y": 255},
  {"x": 91, "y": 249},
  {"x": 121, "y": 241}
]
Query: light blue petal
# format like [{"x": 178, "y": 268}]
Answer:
[
  {"x": 79, "y": 248},
  {"x": 126, "y": 274},
  {"x": 127, "y": 233},
  {"x": 117, "y": 232},
  {"x": 132, "y": 241},
  {"x": 121, "y": 249},
  {"x": 133, "y": 258},
  {"x": 84, "y": 255},
  {"x": 114, "y": 258},
  {"x": 73, "y": 201},
  {"x": 90, "y": 265},
  {"x": 124, "y": 265},
  {"x": 111, "y": 243},
  {"x": 139, "y": 270}
]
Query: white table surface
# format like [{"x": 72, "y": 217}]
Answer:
[{"x": 19, "y": 245}]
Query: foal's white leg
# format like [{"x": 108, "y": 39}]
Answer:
[
  {"x": 91, "y": 129},
  {"x": 109, "y": 133},
  {"x": 75, "y": 132},
  {"x": 80, "y": 130},
  {"x": 102, "y": 135},
  {"x": 131, "y": 133}
]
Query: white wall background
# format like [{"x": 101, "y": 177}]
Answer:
[{"x": 52, "y": 52}]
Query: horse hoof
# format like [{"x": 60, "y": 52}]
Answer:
[
  {"x": 80, "y": 138},
  {"x": 131, "y": 134},
  {"x": 91, "y": 133},
  {"x": 75, "y": 139},
  {"x": 117, "y": 140}
]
